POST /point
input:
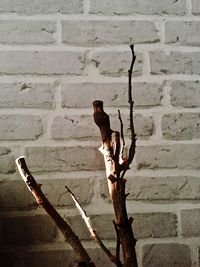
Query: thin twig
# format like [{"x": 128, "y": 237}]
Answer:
[
  {"x": 117, "y": 153},
  {"x": 131, "y": 103},
  {"x": 122, "y": 133},
  {"x": 90, "y": 228}
]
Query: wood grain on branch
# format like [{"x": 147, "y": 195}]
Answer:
[
  {"x": 116, "y": 167},
  {"x": 70, "y": 237},
  {"x": 91, "y": 229},
  {"x": 116, "y": 185}
]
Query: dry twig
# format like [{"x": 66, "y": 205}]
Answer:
[
  {"x": 116, "y": 182},
  {"x": 83, "y": 257},
  {"x": 90, "y": 228}
]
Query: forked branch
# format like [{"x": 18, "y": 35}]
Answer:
[{"x": 116, "y": 167}]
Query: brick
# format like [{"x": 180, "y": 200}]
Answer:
[
  {"x": 178, "y": 126},
  {"x": 74, "y": 126},
  {"x": 20, "y": 127},
  {"x": 103, "y": 224},
  {"x": 145, "y": 225},
  {"x": 27, "y": 95},
  {"x": 6, "y": 161},
  {"x": 15, "y": 195},
  {"x": 159, "y": 188},
  {"x": 108, "y": 32},
  {"x": 154, "y": 225},
  {"x": 195, "y": 7},
  {"x": 65, "y": 257},
  {"x": 116, "y": 63},
  {"x": 83, "y": 126},
  {"x": 190, "y": 222},
  {"x": 26, "y": 230},
  {"x": 27, "y": 32},
  {"x": 175, "y": 63},
  {"x": 44, "y": 6},
  {"x": 63, "y": 158},
  {"x": 144, "y": 94},
  {"x": 168, "y": 156},
  {"x": 57, "y": 194},
  {"x": 142, "y": 7},
  {"x": 182, "y": 32},
  {"x": 185, "y": 94},
  {"x": 144, "y": 125},
  {"x": 41, "y": 62},
  {"x": 50, "y": 258},
  {"x": 166, "y": 255}
]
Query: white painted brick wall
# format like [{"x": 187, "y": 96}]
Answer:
[{"x": 56, "y": 57}]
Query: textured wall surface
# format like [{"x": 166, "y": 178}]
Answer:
[{"x": 56, "y": 57}]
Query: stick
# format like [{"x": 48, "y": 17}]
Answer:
[
  {"x": 70, "y": 236},
  {"x": 90, "y": 228},
  {"x": 131, "y": 103},
  {"x": 117, "y": 246},
  {"x": 122, "y": 133}
]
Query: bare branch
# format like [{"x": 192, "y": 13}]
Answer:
[
  {"x": 117, "y": 245},
  {"x": 131, "y": 102},
  {"x": 122, "y": 133},
  {"x": 70, "y": 236},
  {"x": 116, "y": 186},
  {"x": 90, "y": 228}
]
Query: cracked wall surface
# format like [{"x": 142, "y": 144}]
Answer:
[{"x": 56, "y": 57}]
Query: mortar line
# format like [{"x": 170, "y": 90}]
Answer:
[
  {"x": 59, "y": 32},
  {"x": 189, "y": 7},
  {"x": 162, "y": 32},
  {"x": 86, "y": 8},
  {"x": 92, "y": 17},
  {"x": 179, "y": 226}
]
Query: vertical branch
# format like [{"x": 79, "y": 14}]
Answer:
[
  {"x": 122, "y": 134},
  {"x": 131, "y": 103},
  {"x": 117, "y": 246},
  {"x": 116, "y": 186}
]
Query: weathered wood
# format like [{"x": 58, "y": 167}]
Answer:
[
  {"x": 91, "y": 229},
  {"x": 116, "y": 184},
  {"x": 116, "y": 167},
  {"x": 70, "y": 237}
]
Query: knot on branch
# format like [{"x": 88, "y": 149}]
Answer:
[
  {"x": 112, "y": 178},
  {"x": 102, "y": 120}
]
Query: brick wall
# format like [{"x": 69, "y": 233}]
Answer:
[{"x": 56, "y": 57}]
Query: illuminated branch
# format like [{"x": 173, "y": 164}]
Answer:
[
  {"x": 116, "y": 186},
  {"x": 69, "y": 235},
  {"x": 90, "y": 228}
]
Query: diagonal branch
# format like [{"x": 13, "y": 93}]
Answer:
[
  {"x": 70, "y": 236},
  {"x": 90, "y": 228}
]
